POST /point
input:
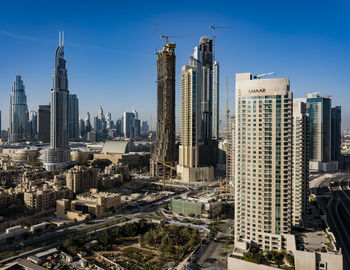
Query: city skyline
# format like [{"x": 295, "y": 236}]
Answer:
[{"x": 310, "y": 51}]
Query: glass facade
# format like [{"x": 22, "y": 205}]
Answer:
[
  {"x": 319, "y": 110},
  {"x": 18, "y": 112}
]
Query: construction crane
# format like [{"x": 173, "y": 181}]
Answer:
[
  {"x": 166, "y": 36},
  {"x": 263, "y": 75},
  {"x": 214, "y": 27}
]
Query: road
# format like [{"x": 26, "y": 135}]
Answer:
[
  {"x": 339, "y": 214},
  {"x": 50, "y": 239}
]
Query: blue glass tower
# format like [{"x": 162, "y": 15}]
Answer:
[{"x": 18, "y": 112}]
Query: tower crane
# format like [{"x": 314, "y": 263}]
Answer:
[
  {"x": 166, "y": 36},
  {"x": 263, "y": 75},
  {"x": 214, "y": 27}
]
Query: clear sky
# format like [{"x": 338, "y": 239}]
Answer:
[{"x": 110, "y": 45}]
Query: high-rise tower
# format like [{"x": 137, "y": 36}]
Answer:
[
  {"x": 300, "y": 177},
  {"x": 165, "y": 136},
  {"x": 18, "y": 112},
  {"x": 197, "y": 151},
  {"x": 263, "y": 160},
  {"x": 205, "y": 63},
  {"x": 58, "y": 154},
  {"x": 319, "y": 109}
]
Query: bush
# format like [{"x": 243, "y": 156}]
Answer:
[
  {"x": 248, "y": 257},
  {"x": 289, "y": 258}
]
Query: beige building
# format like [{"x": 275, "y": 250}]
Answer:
[
  {"x": 44, "y": 197},
  {"x": 231, "y": 153},
  {"x": 300, "y": 162},
  {"x": 6, "y": 197},
  {"x": 190, "y": 168},
  {"x": 263, "y": 160},
  {"x": 80, "y": 179},
  {"x": 93, "y": 203}
]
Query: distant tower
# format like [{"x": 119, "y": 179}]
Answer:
[
  {"x": 101, "y": 125},
  {"x": 73, "y": 117},
  {"x": 43, "y": 123},
  {"x": 18, "y": 112},
  {"x": 87, "y": 123},
  {"x": 165, "y": 136},
  {"x": 336, "y": 133},
  {"x": 33, "y": 123},
  {"x": 109, "y": 120},
  {"x": 129, "y": 125},
  {"x": 82, "y": 133},
  {"x": 58, "y": 155}
]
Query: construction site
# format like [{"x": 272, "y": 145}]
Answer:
[{"x": 163, "y": 156}]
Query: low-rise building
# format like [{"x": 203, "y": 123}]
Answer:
[
  {"x": 208, "y": 207},
  {"x": 44, "y": 197},
  {"x": 80, "y": 179},
  {"x": 88, "y": 204}
]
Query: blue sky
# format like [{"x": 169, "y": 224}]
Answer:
[{"x": 109, "y": 47}]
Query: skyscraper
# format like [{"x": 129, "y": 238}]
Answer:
[
  {"x": 198, "y": 150},
  {"x": 335, "y": 133},
  {"x": 96, "y": 123},
  {"x": 137, "y": 125},
  {"x": 188, "y": 167},
  {"x": 300, "y": 180},
  {"x": 119, "y": 127},
  {"x": 263, "y": 160},
  {"x": 101, "y": 120},
  {"x": 165, "y": 136},
  {"x": 73, "y": 117},
  {"x": 33, "y": 123},
  {"x": 129, "y": 125},
  {"x": 18, "y": 112},
  {"x": 43, "y": 123},
  {"x": 319, "y": 109},
  {"x": 204, "y": 59},
  {"x": 108, "y": 118},
  {"x": 215, "y": 104},
  {"x": 82, "y": 131},
  {"x": 58, "y": 154},
  {"x": 87, "y": 123},
  {"x": 144, "y": 127}
]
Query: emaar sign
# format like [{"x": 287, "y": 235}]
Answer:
[{"x": 257, "y": 90}]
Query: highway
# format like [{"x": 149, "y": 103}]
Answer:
[{"x": 338, "y": 211}]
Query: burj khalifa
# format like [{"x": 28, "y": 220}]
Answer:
[{"x": 58, "y": 154}]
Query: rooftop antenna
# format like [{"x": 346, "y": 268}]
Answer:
[
  {"x": 62, "y": 38},
  {"x": 59, "y": 38}
]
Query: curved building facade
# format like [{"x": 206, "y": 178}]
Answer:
[
  {"x": 58, "y": 155},
  {"x": 18, "y": 112}
]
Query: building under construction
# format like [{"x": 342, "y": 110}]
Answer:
[{"x": 163, "y": 156}]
